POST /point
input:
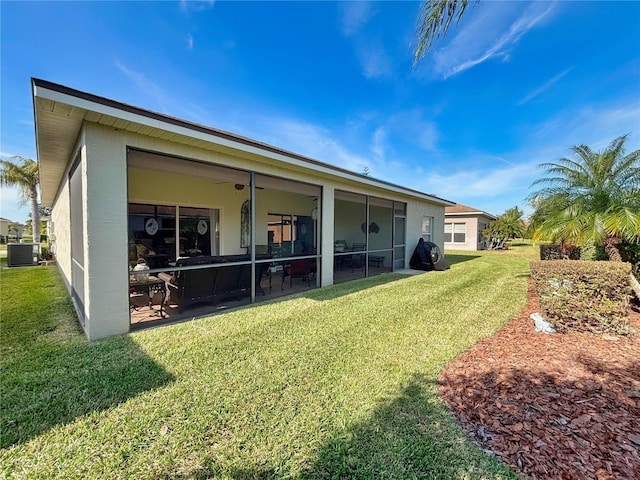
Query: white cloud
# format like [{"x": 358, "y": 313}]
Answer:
[
  {"x": 196, "y": 5},
  {"x": 354, "y": 15},
  {"x": 164, "y": 101},
  {"x": 476, "y": 42},
  {"x": 546, "y": 86},
  {"x": 150, "y": 88},
  {"x": 310, "y": 140},
  {"x": 496, "y": 182},
  {"x": 378, "y": 144},
  {"x": 371, "y": 54},
  {"x": 413, "y": 127},
  {"x": 374, "y": 60},
  {"x": 594, "y": 125},
  {"x": 190, "y": 42}
]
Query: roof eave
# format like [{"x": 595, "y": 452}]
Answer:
[{"x": 93, "y": 103}]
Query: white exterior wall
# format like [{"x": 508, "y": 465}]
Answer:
[
  {"x": 61, "y": 218},
  {"x": 471, "y": 233},
  {"x": 327, "y": 217},
  {"x": 105, "y": 216},
  {"x": 415, "y": 211}
]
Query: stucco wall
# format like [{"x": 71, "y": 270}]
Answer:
[
  {"x": 471, "y": 236},
  {"x": 61, "y": 247},
  {"x": 106, "y": 254},
  {"x": 415, "y": 211}
]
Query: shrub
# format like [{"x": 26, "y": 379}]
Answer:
[
  {"x": 630, "y": 252},
  {"x": 559, "y": 252},
  {"x": 593, "y": 252},
  {"x": 584, "y": 296}
]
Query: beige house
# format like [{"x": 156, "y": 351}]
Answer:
[
  {"x": 213, "y": 215},
  {"x": 463, "y": 227},
  {"x": 10, "y": 231}
]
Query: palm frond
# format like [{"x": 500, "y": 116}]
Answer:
[{"x": 433, "y": 23}]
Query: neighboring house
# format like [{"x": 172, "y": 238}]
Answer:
[
  {"x": 10, "y": 231},
  {"x": 463, "y": 227},
  {"x": 120, "y": 178}
]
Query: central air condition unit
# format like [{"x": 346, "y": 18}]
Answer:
[{"x": 22, "y": 254}]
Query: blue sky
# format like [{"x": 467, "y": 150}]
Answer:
[{"x": 513, "y": 85}]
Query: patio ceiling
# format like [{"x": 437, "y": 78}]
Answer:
[{"x": 60, "y": 111}]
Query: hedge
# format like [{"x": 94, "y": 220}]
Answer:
[
  {"x": 584, "y": 296},
  {"x": 559, "y": 252}
]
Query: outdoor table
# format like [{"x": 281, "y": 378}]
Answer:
[
  {"x": 150, "y": 286},
  {"x": 378, "y": 260}
]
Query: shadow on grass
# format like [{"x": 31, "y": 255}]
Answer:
[
  {"x": 453, "y": 258},
  {"x": 408, "y": 436},
  {"x": 50, "y": 373}
]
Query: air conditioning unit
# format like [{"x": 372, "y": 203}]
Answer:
[{"x": 22, "y": 254}]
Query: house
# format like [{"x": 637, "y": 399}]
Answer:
[
  {"x": 463, "y": 227},
  {"x": 10, "y": 231},
  {"x": 129, "y": 185}
]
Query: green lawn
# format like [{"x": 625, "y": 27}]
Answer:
[{"x": 335, "y": 383}]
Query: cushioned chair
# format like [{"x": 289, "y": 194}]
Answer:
[{"x": 298, "y": 269}]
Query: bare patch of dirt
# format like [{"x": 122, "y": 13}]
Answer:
[{"x": 551, "y": 406}]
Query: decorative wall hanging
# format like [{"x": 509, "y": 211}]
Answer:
[
  {"x": 373, "y": 227},
  {"x": 245, "y": 224}
]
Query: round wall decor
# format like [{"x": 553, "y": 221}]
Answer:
[
  {"x": 202, "y": 227},
  {"x": 151, "y": 226}
]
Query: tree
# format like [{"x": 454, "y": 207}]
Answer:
[
  {"x": 590, "y": 199},
  {"x": 507, "y": 226},
  {"x": 433, "y": 23},
  {"x": 24, "y": 175},
  {"x": 12, "y": 227}
]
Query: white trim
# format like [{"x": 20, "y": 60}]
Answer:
[{"x": 463, "y": 214}]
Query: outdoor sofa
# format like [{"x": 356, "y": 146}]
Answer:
[{"x": 212, "y": 284}]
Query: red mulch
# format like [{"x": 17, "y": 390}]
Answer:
[{"x": 551, "y": 406}]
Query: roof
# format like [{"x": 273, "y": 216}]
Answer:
[
  {"x": 60, "y": 111},
  {"x": 460, "y": 210},
  {"x": 2, "y": 219}
]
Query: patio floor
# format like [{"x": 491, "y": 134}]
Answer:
[{"x": 144, "y": 316}]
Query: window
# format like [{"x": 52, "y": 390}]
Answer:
[
  {"x": 156, "y": 236},
  {"x": 427, "y": 228},
  {"x": 455, "y": 232},
  {"x": 280, "y": 233}
]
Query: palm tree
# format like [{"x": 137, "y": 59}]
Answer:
[
  {"x": 24, "y": 175},
  {"x": 591, "y": 199},
  {"x": 433, "y": 23},
  {"x": 507, "y": 226}
]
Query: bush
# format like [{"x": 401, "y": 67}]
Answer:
[
  {"x": 584, "y": 296},
  {"x": 630, "y": 252},
  {"x": 559, "y": 252},
  {"x": 593, "y": 252}
]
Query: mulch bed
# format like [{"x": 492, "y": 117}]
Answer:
[{"x": 551, "y": 406}]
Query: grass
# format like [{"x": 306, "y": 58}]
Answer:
[{"x": 339, "y": 382}]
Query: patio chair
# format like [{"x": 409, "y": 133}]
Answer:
[
  {"x": 297, "y": 269},
  {"x": 357, "y": 259}
]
